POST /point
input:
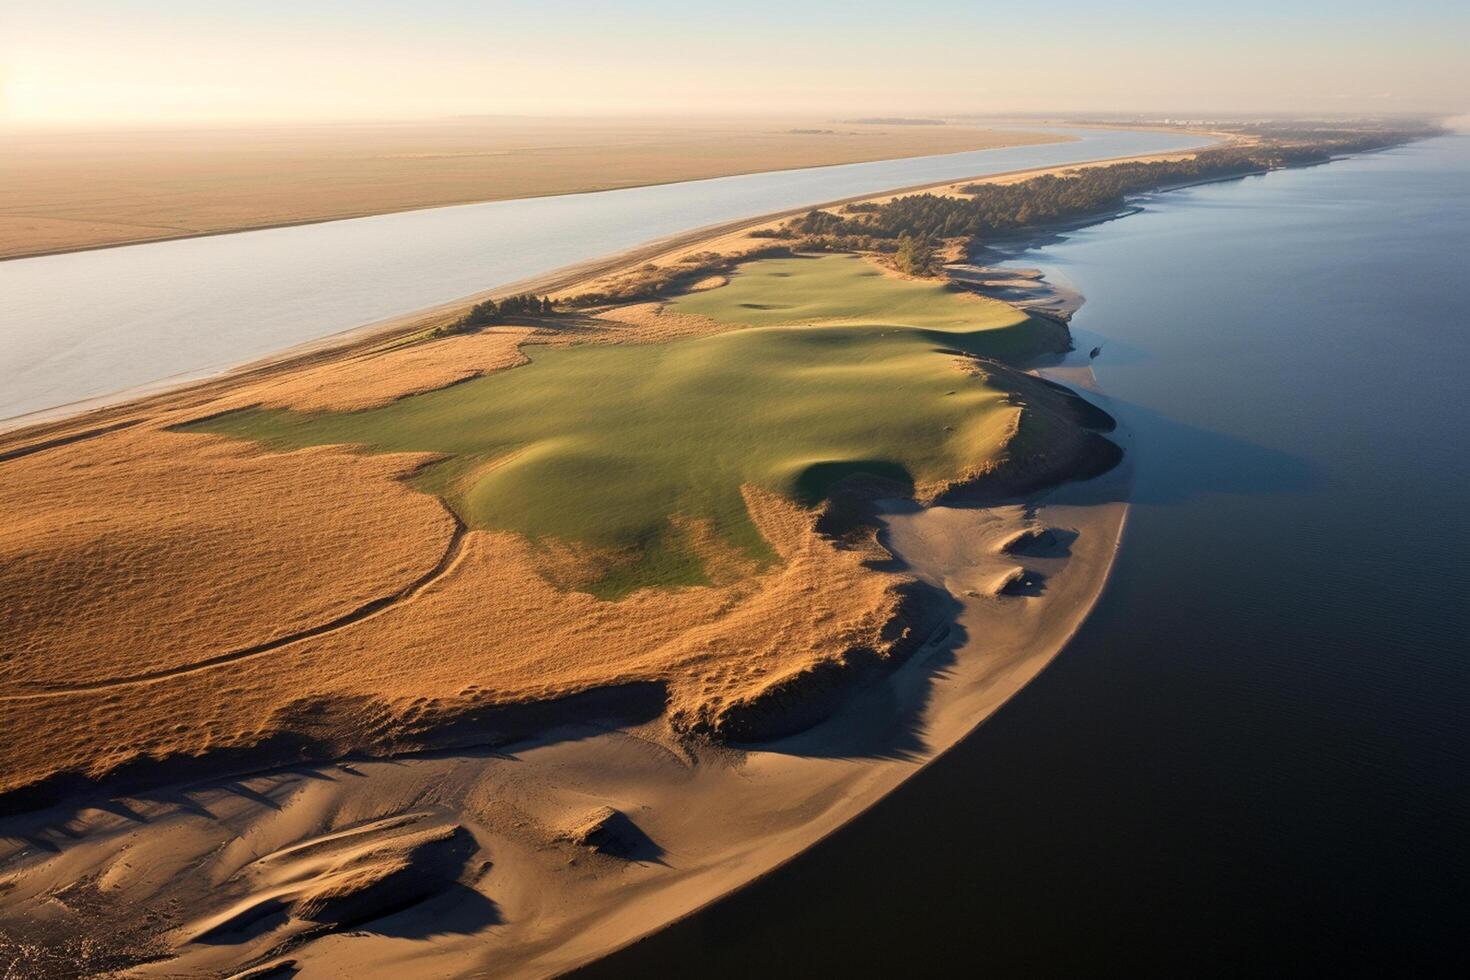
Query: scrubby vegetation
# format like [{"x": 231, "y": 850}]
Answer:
[
  {"x": 988, "y": 209},
  {"x": 910, "y": 227},
  {"x": 916, "y": 256},
  {"x": 653, "y": 281},
  {"x": 491, "y": 312}
]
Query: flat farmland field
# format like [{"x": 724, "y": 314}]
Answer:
[{"x": 62, "y": 190}]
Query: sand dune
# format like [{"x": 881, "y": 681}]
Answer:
[{"x": 233, "y": 874}]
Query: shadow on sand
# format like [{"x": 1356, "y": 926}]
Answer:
[{"x": 1199, "y": 461}]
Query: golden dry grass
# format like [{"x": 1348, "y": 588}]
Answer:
[
  {"x": 490, "y": 631},
  {"x": 376, "y": 377},
  {"x": 136, "y": 557},
  {"x": 183, "y": 596},
  {"x": 133, "y": 559},
  {"x": 68, "y": 190},
  {"x": 143, "y": 551}
]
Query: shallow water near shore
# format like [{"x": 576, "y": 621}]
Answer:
[
  {"x": 1254, "y": 755},
  {"x": 86, "y": 325}
]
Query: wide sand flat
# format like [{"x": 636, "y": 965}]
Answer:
[
  {"x": 520, "y": 897},
  {"x": 67, "y": 190}
]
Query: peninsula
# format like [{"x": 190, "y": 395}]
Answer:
[{"x": 509, "y": 633}]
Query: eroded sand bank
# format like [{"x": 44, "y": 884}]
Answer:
[{"x": 484, "y": 847}]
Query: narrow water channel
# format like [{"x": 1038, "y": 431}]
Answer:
[{"x": 89, "y": 324}]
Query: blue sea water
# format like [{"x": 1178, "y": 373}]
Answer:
[{"x": 1255, "y": 757}]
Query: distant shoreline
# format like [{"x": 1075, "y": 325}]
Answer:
[
  {"x": 1005, "y": 138},
  {"x": 107, "y": 409}
]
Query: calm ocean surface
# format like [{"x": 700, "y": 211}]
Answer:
[
  {"x": 89, "y": 324},
  {"x": 1255, "y": 759}
]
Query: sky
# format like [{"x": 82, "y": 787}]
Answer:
[{"x": 147, "y": 61}]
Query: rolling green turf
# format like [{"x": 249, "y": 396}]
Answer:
[
  {"x": 841, "y": 289},
  {"x": 603, "y": 444}
]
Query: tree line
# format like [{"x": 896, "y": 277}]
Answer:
[
  {"x": 492, "y": 311},
  {"x": 988, "y": 210},
  {"x": 908, "y": 227},
  {"x": 489, "y": 312}
]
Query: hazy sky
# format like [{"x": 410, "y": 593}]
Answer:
[{"x": 145, "y": 60}]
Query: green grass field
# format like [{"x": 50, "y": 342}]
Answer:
[
  {"x": 618, "y": 447},
  {"x": 846, "y": 289}
]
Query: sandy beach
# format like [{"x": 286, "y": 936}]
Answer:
[{"x": 699, "y": 822}]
